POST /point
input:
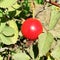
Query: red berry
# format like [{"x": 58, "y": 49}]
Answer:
[{"x": 31, "y": 28}]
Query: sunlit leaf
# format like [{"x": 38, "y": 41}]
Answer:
[
  {"x": 17, "y": 12},
  {"x": 56, "y": 52},
  {"x": 7, "y": 3},
  {"x": 1, "y": 58},
  {"x": 55, "y": 15},
  {"x": 5, "y": 39},
  {"x": 31, "y": 52},
  {"x": 13, "y": 24},
  {"x": 5, "y": 36},
  {"x": 44, "y": 43},
  {"x": 2, "y": 25},
  {"x": 21, "y": 56},
  {"x": 14, "y": 7},
  {"x": 49, "y": 58},
  {"x": 8, "y": 31}
]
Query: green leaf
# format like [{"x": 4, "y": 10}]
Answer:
[
  {"x": 56, "y": 53},
  {"x": 5, "y": 39},
  {"x": 39, "y": 1},
  {"x": 8, "y": 31},
  {"x": 11, "y": 14},
  {"x": 44, "y": 43},
  {"x": 1, "y": 58},
  {"x": 13, "y": 24},
  {"x": 7, "y": 3},
  {"x": 17, "y": 12},
  {"x": 10, "y": 39},
  {"x": 14, "y": 7},
  {"x": 55, "y": 15},
  {"x": 31, "y": 51},
  {"x": 21, "y": 56},
  {"x": 2, "y": 25},
  {"x": 49, "y": 58},
  {"x": 36, "y": 50}
]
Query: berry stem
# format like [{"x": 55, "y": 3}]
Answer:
[
  {"x": 33, "y": 6},
  {"x": 28, "y": 43}
]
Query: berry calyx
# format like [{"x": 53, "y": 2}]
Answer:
[{"x": 31, "y": 28}]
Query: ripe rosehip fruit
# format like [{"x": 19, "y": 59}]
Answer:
[{"x": 31, "y": 28}]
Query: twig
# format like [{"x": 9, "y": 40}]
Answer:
[
  {"x": 53, "y": 3},
  {"x": 39, "y": 12}
]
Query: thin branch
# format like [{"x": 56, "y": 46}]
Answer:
[
  {"x": 53, "y": 3},
  {"x": 39, "y": 12}
]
